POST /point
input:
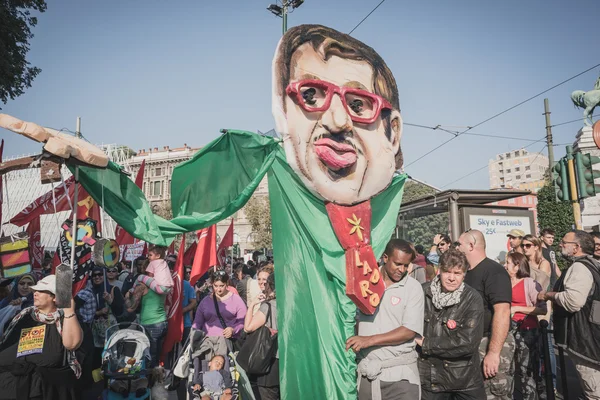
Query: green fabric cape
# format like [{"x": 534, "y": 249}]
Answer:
[{"x": 315, "y": 316}]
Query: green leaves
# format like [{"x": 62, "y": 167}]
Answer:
[
  {"x": 16, "y": 22},
  {"x": 552, "y": 214}
]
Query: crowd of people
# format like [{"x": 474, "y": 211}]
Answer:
[
  {"x": 452, "y": 323},
  {"x": 472, "y": 329}
]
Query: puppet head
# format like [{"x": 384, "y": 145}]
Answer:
[{"x": 335, "y": 103}]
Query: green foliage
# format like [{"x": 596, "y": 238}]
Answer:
[
  {"x": 258, "y": 214},
  {"x": 15, "y": 32},
  {"x": 552, "y": 214},
  {"x": 421, "y": 230}
]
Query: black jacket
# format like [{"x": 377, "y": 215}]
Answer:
[
  {"x": 449, "y": 358},
  {"x": 580, "y": 331}
]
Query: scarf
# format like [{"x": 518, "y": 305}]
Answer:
[
  {"x": 14, "y": 294},
  {"x": 444, "y": 299},
  {"x": 54, "y": 318}
]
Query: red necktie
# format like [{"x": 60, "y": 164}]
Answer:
[{"x": 352, "y": 227}]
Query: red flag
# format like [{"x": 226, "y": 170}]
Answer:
[
  {"x": 173, "y": 306},
  {"x": 121, "y": 235},
  {"x": 206, "y": 253},
  {"x": 226, "y": 242},
  {"x": 171, "y": 249},
  {"x": 35, "y": 244},
  {"x": 87, "y": 207},
  {"x": 1, "y": 193},
  {"x": 188, "y": 257},
  {"x": 43, "y": 204},
  {"x": 145, "y": 250}
]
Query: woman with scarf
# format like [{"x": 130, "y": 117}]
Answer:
[
  {"x": 110, "y": 304},
  {"x": 37, "y": 351},
  {"x": 449, "y": 363},
  {"x": 19, "y": 298}
]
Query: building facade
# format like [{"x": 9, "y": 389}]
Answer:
[{"x": 518, "y": 169}]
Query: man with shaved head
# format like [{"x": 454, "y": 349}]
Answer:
[{"x": 497, "y": 347}]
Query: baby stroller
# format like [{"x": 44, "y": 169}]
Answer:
[
  {"x": 125, "y": 357},
  {"x": 198, "y": 350}
]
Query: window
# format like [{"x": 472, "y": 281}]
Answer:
[
  {"x": 527, "y": 168},
  {"x": 144, "y": 190},
  {"x": 518, "y": 177},
  {"x": 528, "y": 176},
  {"x": 169, "y": 187},
  {"x": 156, "y": 188},
  {"x": 508, "y": 171},
  {"x": 157, "y": 171},
  {"x": 511, "y": 201},
  {"x": 517, "y": 169}
]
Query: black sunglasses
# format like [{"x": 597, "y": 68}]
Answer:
[
  {"x": 526, "y": 245},
  {"x": 96, "y": 275}
]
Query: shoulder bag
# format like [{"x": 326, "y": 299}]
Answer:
[
  {"x": 259, "y": 349},
  {"x": 231, "y": 343}
]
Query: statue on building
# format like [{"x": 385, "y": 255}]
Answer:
[{"x": 588, "y": 101}]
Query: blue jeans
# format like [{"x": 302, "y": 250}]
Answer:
[{"x": 156, "y": 333}]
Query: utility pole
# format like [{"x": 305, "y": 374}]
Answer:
[
  {"x": 573, "y": 188},
  {"x": 549, "y": 134},
  {"x": 284, "y": 17}
]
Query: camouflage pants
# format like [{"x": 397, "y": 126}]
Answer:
[
  {"x": 500, "y": 387},
  {"x": 527, "y": 364}
]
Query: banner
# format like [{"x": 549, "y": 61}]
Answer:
[
  {"x": 43, "y": 204},
  {"x": 132, "y": 251},
  {"x": 35, "y": 244},
  {"x": 86, "y": 235}
]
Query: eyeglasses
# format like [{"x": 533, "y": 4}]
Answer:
[
  {"x": 111, "y": 270},
  {"x": 565, "y": 242},
  {"x": 442, "y": 244},
  {"x": 96, "y": 275},
  {"x": 472, "y": 236},
  {"x": 315, "y": 95},
  {"x": 526, "y": 245}
]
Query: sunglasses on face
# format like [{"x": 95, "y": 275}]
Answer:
[
  {"x": 96, "y": 275},
  {"x": 526, "y": 245},
  {"x": 110, "y": 271}
]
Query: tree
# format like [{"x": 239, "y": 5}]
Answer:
[
  {"x": 421, "y": 229},
  {"x": 16, "y": 22},
  {"x": 553, "y": 214},
  {"x": 163, "y": 209},
  {"x": 258, "y": 214}
]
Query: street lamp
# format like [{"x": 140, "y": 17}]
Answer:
[{"x": 282, "y": 11}]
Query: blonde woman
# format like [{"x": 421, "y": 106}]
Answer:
[{"x": 538, "y": 265}]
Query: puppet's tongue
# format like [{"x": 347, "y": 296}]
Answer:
[{"x": 335, "y": 155}]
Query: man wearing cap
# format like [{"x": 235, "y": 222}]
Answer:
[
  {"x": 112, "y": 276},
  {"x": 515, "y": 237}
]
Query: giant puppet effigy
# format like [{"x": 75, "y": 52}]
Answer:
[{"x": 333, "y": 190}]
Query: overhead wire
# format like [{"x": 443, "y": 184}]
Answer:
[
  {"x": 570, "y": 122},
  {"x": 438, "y": 127},
  {"x": 501, "y": 113},
  {"x": 363, "y": 20}
]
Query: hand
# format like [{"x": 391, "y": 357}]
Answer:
[
  {"x": 108, "y": 297},
  {"x": 357, "y": 343},
  {"x": 259, "y": 299},
  {"x": 437, "y": 239},
  {"x": 542, "y": 296},
  {"x": 491, "y": 363},
  {"x": 104, "y": 311},
  {"x": 16, "y": 302},
  {"x": 197, "y": 387},
  {"x": 227, "y": 333},
  {"x": 419, "y": 341}
]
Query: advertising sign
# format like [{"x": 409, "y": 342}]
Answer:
[{"x": 495, "y": 223}]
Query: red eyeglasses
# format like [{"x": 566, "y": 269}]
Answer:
[{"x": 314, "y": 95}]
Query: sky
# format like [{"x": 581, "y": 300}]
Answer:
[{"x": 156, "y": 73}]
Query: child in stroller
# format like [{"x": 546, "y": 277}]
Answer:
[{"x": 214, "y": 384}]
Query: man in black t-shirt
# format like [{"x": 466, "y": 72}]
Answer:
[{"x": 497, "y": 348}]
